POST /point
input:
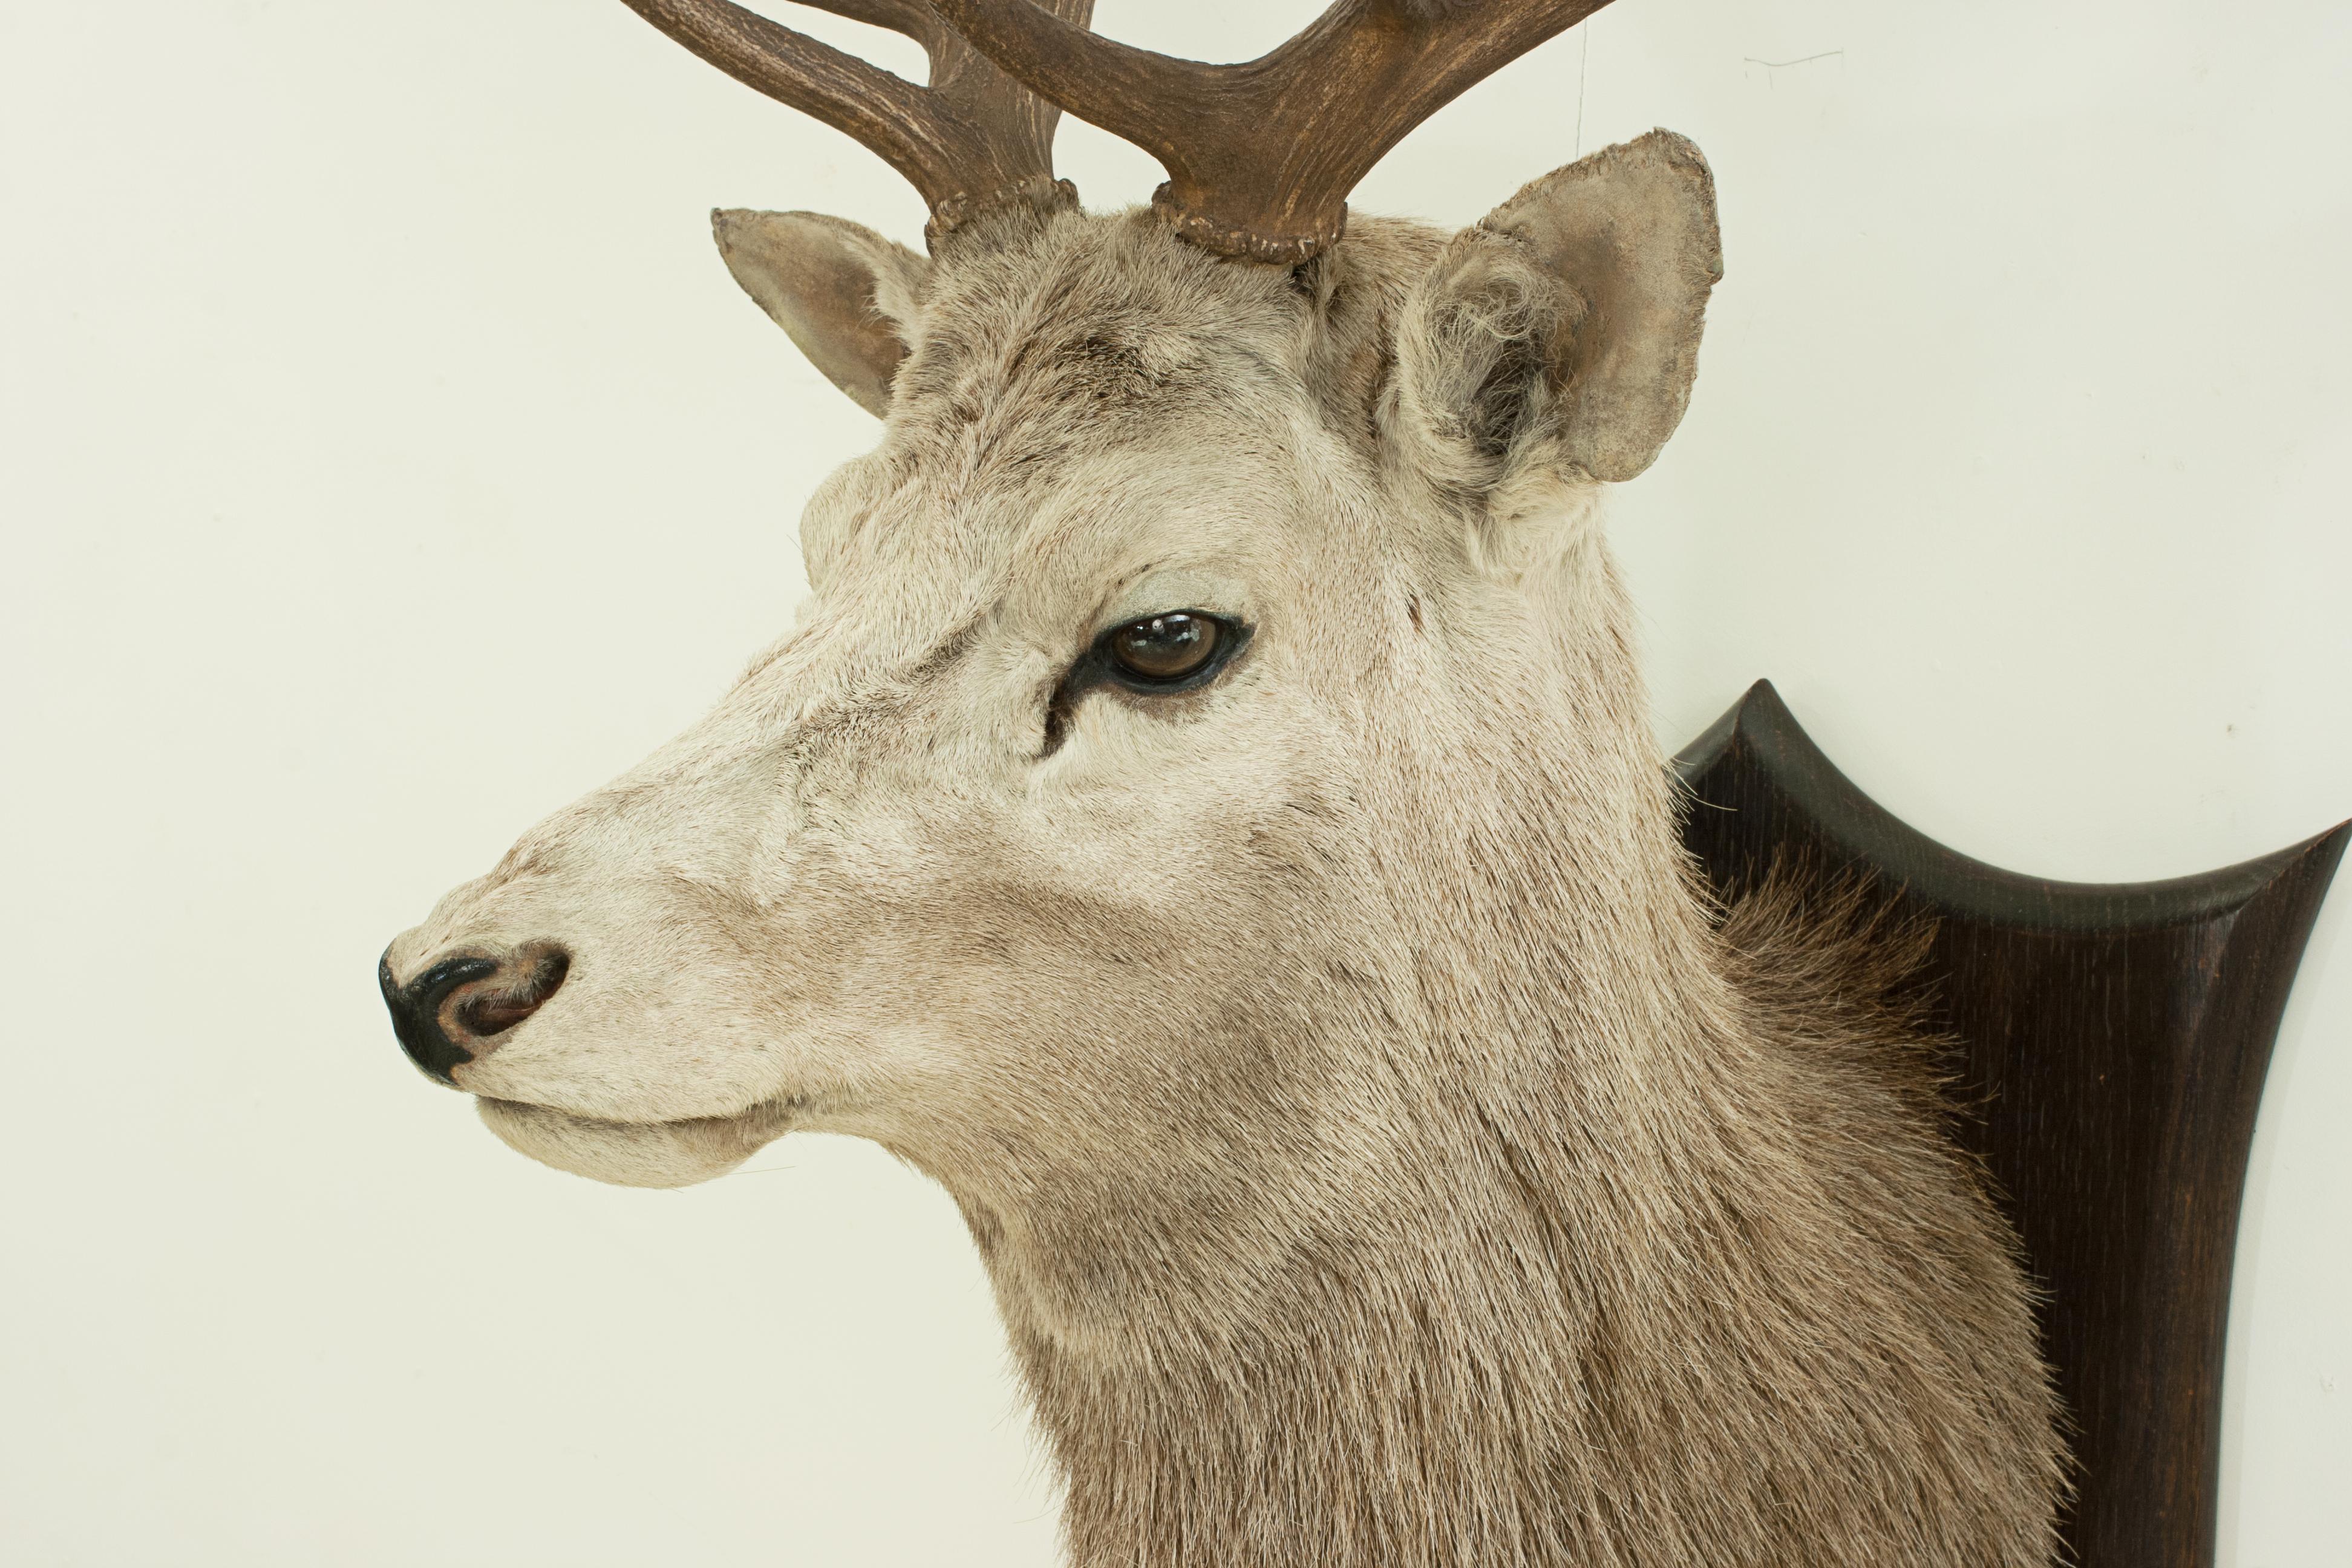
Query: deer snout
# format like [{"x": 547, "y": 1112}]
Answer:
[{"x": 463, "y": 1007}]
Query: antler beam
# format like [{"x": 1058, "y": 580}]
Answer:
[
  {"x": 973, "y": 134},
  {"x": 1260, "y": 156}
]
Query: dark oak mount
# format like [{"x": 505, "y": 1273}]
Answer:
[{"x": 2118, "y": 1037}]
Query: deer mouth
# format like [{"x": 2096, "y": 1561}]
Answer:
[{"x": 674, "y": 1154}]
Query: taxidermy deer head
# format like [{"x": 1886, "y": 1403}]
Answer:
[{"x": 1205, "y": 815}]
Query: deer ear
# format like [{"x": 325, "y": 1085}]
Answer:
[
  {"x": 1564, "y": 328},
  {"x": 1630, "y": 233},
  {"x": 847, "y": 296}
]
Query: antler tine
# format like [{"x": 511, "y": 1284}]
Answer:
[
  {"x": 974, "y": 134},
  {"x": 1261, "y": 155}
]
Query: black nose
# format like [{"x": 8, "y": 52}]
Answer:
[{"x": 453, "y": 1012}]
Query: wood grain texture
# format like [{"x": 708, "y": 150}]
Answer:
[{"x": 2114, "y": 1042}]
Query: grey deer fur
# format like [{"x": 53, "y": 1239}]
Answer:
[{"x": 1383, "y": 1155}]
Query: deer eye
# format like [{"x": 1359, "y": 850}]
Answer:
[{"x": 1160, "y": 651}]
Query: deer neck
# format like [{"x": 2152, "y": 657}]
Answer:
[
  {"x": 1388, "y": 1363},
  {"x": 1400, "y": 1383}
]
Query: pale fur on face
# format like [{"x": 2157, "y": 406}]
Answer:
[
  {"x": 1381, "y": 1155},
  {"x": 865, "y": 894}
]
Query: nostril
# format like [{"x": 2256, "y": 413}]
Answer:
[
  {"x": 416, "y": 1010},
  {"x": 493, "y": 1010},
  {"x": 454, "y": 1011}
]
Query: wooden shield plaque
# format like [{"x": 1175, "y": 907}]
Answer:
[{"x": 2114, "y": 1040}]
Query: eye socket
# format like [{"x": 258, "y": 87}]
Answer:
[{"x": 1166, "y": 650}]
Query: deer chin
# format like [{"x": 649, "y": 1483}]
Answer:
[{"x": 635, "y": 1154}]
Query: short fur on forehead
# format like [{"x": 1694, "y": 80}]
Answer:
[
  {"x": 1036, "y": 336},
  {"x": 1065, "y": 369}
]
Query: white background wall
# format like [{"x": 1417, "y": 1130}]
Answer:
[{"x": 386, "y": 459}]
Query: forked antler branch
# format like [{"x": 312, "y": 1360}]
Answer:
[
  {"x": 973, "y": 134},
  {"x": 1261, "y": 155}
]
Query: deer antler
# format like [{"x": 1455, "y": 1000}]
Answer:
[
  {"x": 1261, "y": 155},
  {"x": 972, "y": 135}
]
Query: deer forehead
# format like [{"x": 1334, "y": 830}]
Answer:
[
  {"x": 1092, "y": 404},
  {"x": 1102, "y": 302}
]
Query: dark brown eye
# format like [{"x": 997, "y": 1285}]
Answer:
[{"x": 1162, "y": 649}]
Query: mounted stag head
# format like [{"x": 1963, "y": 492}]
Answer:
[{"x": 1205, "y": 815}]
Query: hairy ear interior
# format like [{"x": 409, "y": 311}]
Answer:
[
  {"x": 847, "y": 296},
  {"x": 1564, "y": 328},
  {"x": 1631, "y": 231}
]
